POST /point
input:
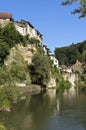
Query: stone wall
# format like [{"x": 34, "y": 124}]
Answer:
[{"x": 4, "y": 22}]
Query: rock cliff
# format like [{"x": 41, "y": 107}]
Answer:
[{"x": 26, "y": 52}]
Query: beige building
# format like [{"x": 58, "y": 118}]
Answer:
[
  {"x": 24, "y": 27},
  {"x": 5, "y": 18}
]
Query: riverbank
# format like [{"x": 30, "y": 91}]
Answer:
[
  {"x": 30, "y": 89},
  {"x": 12, "y": 94}
]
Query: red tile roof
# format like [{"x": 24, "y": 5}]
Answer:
[{"x": 5, "y": 15}]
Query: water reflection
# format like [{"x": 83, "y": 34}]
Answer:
[{"x": 48, "y": 111}]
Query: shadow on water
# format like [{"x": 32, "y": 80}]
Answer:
[{"x": 48, "y": 111}]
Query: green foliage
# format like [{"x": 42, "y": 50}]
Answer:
[
  {"x": 68, "y": 55},
  {"x": 9, "y": 37},
  {"x": 62, "y": 84},
  {"x": 82, "y": 86},
  {"x": 82, "y": 82},
  {"x": 84, "y": 56},
  {"x": 16, "y": 71},
  {"x": 12, "y": 92},
  {"x": 40, "y": 50},
  {"x": 4, "y": 51},
  {"x": 81, "y": 7},
  {"x": 84, "y": 60},
  {"x": 5, "y": 76},
  {"x": 40, "y": 69},
  {"x": 8, "y": 94},
  {"x": 2, "y": 127},
  {"x": 4, "y": 102},
  {"x": 34, "y": 41},
  {"x": 2, "y": 95},
  {"x": 18, "y": 68}
]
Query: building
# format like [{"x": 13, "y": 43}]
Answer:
[
  {"x": 26, "y": 28},
  {"x": 5, "y": 18},
  {"x": 55, "y": 61}
]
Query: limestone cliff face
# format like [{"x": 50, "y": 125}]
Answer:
[
  {"x": 71, "y": 77},
  {"x": 18, "y": 52},
  {"x": 52, "y": 83},
  {"x": 26, "y": 52},
  {"x": 77, "y": 67}
]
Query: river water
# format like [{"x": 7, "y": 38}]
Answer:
[{"x": 48, "y": 111}]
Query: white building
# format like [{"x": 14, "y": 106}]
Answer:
[
  {"x": 26, "y": 28},
  {"x": 55, "y": 61}
]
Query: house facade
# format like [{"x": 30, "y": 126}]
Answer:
[
  {"x": 55, "y": 61},
  {"x": 26, "y": 28},
  {"x": 5, "y": 18}
]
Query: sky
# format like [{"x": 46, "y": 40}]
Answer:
[{"x": 58, "y": 26}]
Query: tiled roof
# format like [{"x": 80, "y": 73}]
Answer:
[{"x": 5, "y": 15}]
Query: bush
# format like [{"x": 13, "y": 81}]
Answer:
[
  {"x": 9, "y": 37},
  {"x": 5, "y": 75},
  {"x": 40, "y": 69},
  {"x": 4, "y": 102},
  {"x": 61, "y": 83},
  {"x": 2, "y": 127},
  {"x": 8, "y": 94},
  {"x": 12, "y": 92}
]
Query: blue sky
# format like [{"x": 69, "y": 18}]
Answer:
[{"x": 55, "y": 22}]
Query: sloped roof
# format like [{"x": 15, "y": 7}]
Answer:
[
  {"x": 5, "y": 15},
  {"x": 27, "y": 23}
]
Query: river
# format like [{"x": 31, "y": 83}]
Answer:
[{"x": 48, "y": 111}]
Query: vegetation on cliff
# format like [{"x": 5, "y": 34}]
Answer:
[
  {"x": 68, "y": 55},
  {"x": 15, "y": 70},
  {"x": 2, "y": 127},
  {"x": 9, "y": 37},
  {"x": 40, "y": 69},
  {"x": 82, "y": 82}
]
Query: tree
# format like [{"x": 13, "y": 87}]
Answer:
[
  {"x": 40, "y": 69},
  {"x": 84, "y": 56},
  {"x": 84, "y": 60},
  {"x": 9, "y": 37},
  {"x": 18, "y": 68},
  {"x": 81, "y": 7},
  {"x": 69, "y": 55},
  {"x": 4, "y": 51}
]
